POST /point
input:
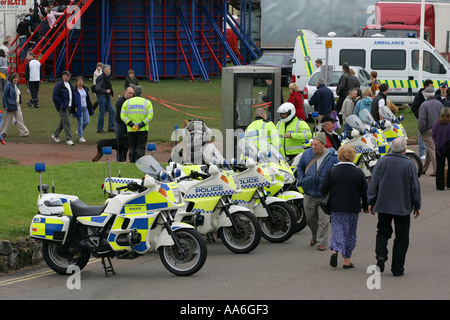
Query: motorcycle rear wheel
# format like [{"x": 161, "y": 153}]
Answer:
[
  {"x": 59, "y": 257},
  {"x": 300, "y": 215},
  {"x": 282, "y": 227},
  {"x": 417, "y": 162},
  {"x": 188, "y": 259},
  {"x": 247, "y": 238}
]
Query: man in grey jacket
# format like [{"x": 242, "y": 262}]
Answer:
[
  {"x": 394, "y": 169},
  {"x": 429, "y": 111}
]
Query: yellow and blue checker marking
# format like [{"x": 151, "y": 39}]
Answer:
[
  {"x": 410, "y": 83},
  {"x": 45, "y": 228},
  {"x": 209, "y": 194}
]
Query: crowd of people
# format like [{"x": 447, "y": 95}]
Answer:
[{"x": 130, "y": 122}]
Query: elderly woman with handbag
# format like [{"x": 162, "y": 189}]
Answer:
[{"x": 347, "y": 186}]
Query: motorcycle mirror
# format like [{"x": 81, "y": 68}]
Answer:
[
  {"x": 149, "y": 182},
  {"x": 213, "y": 170},
  {"x": 250, "y": 163},
  {"x": 162, "y": 175}
]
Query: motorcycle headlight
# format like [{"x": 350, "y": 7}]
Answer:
[
  {"x": 177, "y": 195},
  {"x": 288, "y": 178}
]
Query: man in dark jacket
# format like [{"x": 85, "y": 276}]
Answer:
[
  {"x": 418, "y": 99},
  {"x": 347, "y": 81},
  {"x": 323, "y": 99},
  {"x": 104, "y": 91},
  {"x": 394, "y": 203},
  {"x": 379, "y": 101},
  {"x": 62, "y": 98}
]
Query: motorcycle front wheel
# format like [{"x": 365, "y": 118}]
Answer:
[
  {"x": 189, "y": 258},
  {"x": 281, "y": 227},
  {"x": 60, "y": 257},
  {"x": 247, "y": 235}
]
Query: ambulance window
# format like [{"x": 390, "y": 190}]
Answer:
[
  {"x": 388, "y": 60},
  {"x": 354, "y": 57},
  {"x": 430, "y": 63}
]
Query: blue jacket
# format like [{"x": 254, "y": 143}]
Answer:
[
  {"x": 61, "y": 96},
  {"x": 311, "y": 180},
  {"x": 77, "y": 101},
  {"x": 394, "y": 186},
  {"x": 323, "y": 100},
  {"x": 9, "y": 97}
]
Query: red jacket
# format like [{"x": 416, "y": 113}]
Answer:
[{"x": 297, "y": 100}]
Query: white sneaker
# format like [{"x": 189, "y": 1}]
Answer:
[
  {"x": 70, "y": 143},
  {"x": 423, "y": 157},
  {"x": 82, "y": 139},
  {"x": 57, "y": 140}
]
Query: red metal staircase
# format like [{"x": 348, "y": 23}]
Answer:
[{"x": 53, "y": 38}]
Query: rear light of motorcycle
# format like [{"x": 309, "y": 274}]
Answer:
[{"x": 305, "y": 93}]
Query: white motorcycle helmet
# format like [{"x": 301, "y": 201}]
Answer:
[{"x": 286, "y": 111}]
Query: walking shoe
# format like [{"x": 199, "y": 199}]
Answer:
[
  {"x": 3, "y": 142},
  {"x": 57, "y": 140},
  {"x": 111, "y": 130},
  {"x": 101, "y": 131},
  {"x": 70, "y": 143},
  {"x": 82, "y": 139},
  {"x": 380, "y": 264},
  {"x": 333, "y": 259}
]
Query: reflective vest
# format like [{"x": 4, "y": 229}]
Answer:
[
  {"x": 137, "y": 110},
  {"x": 262, "y": 133},
  {"x": 300, "y": 134}
]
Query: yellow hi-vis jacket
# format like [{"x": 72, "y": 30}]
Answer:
[
  {"x": 263, "y": 133},
  {"x": 137, "y": 110},
  {"x": 300, "y": 133}
]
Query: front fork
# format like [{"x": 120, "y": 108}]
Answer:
[{"x": 168, "y": 224}]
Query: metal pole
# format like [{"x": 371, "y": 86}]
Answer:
[{"x": 422, "y": 29}]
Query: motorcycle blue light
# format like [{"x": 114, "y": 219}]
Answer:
[
  {"x": 107, "y": 150},
  {"x": 151, "y": 147},
  {"x": 39, "y": 167},
  {"x": 374, "y": 130},
  {"x": 177, "y": 173},
  {"x": 401, "y": 118},
  {"x": 315, "y": 114},
  {"x": 162, "y": 175}
]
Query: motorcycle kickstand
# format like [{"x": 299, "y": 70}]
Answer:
[{"x": 108, "y": 268}]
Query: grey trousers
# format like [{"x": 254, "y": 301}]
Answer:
[
  {"x": 428, "y": 141},
  {"x": 64, "y": 124},
  {"x": 318, "y": 221}
]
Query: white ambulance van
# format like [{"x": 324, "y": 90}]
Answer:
[{"x": 396, "y": 60}]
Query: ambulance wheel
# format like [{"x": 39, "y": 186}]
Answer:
[
  {"x": 60, "y": 257},
  {"x": 417, "y": 162}
]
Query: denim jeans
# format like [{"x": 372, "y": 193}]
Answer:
[
  {"x": 104, "y": 104},
  {"x": 83, "y": 121}
]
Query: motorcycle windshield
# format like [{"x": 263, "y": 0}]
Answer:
[
  {"x": 246, "y": 149},
  {"x": 366, "y": 117},
  {"x": 147, "y": 164},
  {"x": 387, "y": 114},
  {"x": 356, "y": 123}
]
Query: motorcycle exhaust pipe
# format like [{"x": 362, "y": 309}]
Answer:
[{"x": 129, "y": 239}]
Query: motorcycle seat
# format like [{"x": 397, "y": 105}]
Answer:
[{"x": 81, "y": 209}]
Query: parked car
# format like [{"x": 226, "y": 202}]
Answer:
[
  {"x": 311, "y": 85},
  {"x": 278, "y": 59}
]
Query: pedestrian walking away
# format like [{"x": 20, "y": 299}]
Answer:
[
  {"x": 12, "y": 98},
  {"x": 33, "y": 76},
  {"x": 137, "y": 113},
  {"x": 441, "y": 138},
  {"x": 311, "y": 170},
  {"x": 323, "y": 99},
  {"x": 347, "y": 185},
  {"x": 394, "y": 204},
  {"x": 418, "y": 100},
  {"x": 347, "y": 81},
  {"x": 63, "y": 95}
]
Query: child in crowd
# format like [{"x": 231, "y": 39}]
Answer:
[{"x": 131, "y": 79}]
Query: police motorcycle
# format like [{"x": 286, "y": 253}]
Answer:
[
  {"x": 393, "y": 128},
  {"x": 288, "y": 191},
  {"x": 207, "y": 192},
  {"x": 365, "y": 145},
  {"x": 127, "y": 226}
]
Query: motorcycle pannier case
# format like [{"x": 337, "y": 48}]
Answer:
[{"x": 46, "y": 227}]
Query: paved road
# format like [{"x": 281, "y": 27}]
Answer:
[{"x": 287, "y": 271}]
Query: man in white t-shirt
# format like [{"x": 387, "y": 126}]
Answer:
[{"x": 33, "y": 75}]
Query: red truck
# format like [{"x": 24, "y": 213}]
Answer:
[{"x": 402, "y": 19}]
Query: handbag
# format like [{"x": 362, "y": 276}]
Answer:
[{"x": 325, "y": 201}]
